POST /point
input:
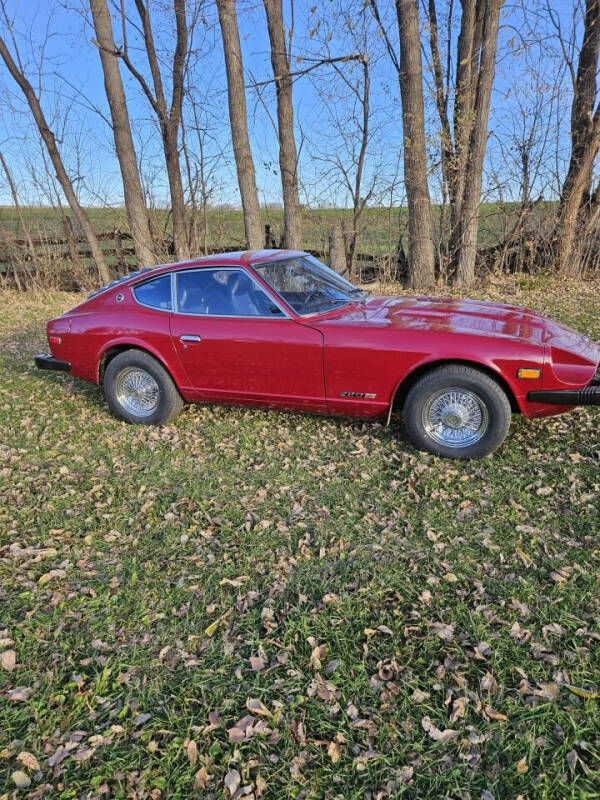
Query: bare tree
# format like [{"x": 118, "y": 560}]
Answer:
[
  {"x": 420, "y": 237},
  {"x": 16, "y": 71},
  {"x": 238, "y": 118},
  {"x": 478, "y": 135},
  {"x": 463, "y": 143},
  {"x": 288, "y": 162},
  {"x": 351, "y": 127},
  {"x": 137, "y": 213},
  {"x": 169, "y": 116},
  {"x": 579, "y": 205},
  {"x": 24, "y": 227}
]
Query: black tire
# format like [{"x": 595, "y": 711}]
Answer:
[
  {"x": 483, "y": 401},
  {"x": 155, "y": 388}
]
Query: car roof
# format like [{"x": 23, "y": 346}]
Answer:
[{"x": 232, "y": 258}]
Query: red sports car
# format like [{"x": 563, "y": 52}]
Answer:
[{"x": 278, "y": 328}]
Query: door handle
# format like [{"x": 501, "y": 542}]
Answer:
[{"x": 189, "y": 338}]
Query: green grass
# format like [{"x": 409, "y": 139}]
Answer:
[{"x": 142, "y": 569}]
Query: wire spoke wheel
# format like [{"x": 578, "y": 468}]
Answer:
[
  {"x": 455, "y": 417},
  {"x": 137, "y": 391}
]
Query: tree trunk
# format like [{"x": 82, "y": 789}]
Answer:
[
  {"x": 573, "y": 215},
  {"x": 466, "y": 67},
  {"x": 420, "y": 238},
  {"x": 137, "y": 213},
  {"x": 169, "y": 119},
  {"x": 57, "y": 163},
  {"x": 238, "y": 119},
  {"x": 469, "y": 218},
  {"x": 171, "y": 148},
  {"x": 337, "y": 249},
  {"x": 358, "y": 202},
  {"x": 292, "y": 215}
]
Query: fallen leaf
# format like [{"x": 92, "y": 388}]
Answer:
[
  {"x": 489, "y": 683},
  {"x": 522, "y": 765},
  {"x": 527, "y": 560},
  {"x": 236, "y": 734},
  {"x": 318, "y": 655},
  {"x": 492, "y": 714},
  {"x": 405, "y": 774},
  {"x": 256, "y": 707},
  {"x": 587, "y": 695},
  {"x": 334, "y": 752},
  {"x": 28, "y": 760},
  {"x": 482, "y": 651},
  {"x": 201, "y": 778},
  {"x": 572, "y": 759},
  {"x": 211, "y": 629},
  {"x": 48, "y": 576},
  {"x": 83, "y": 754},
  {"x": 459, "y": 708},
  {"x": 257, "y": 663},
  {"x": 20, "y": 779},
  {"x": 436, "y": 734},
  {"x": 445, "y": 632},
  {"x": 232, "y": 781},
  {"x": 549, "y": 691},
  {"x": 20, "y": 693},
  {"x": 234, "y": 581},
  {"x": 214, "y": 721},
  {"x": 8, "y": 659},
  {"x": 385, "y": 629},
  {"x": 192, "y": 752}
]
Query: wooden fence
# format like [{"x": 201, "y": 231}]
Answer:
[{"x": 69, "y": 256}]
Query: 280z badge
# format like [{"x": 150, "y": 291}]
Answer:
[{"x": 367, "y": 395}]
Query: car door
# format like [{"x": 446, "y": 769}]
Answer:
[{"x": 237, "y": 344}]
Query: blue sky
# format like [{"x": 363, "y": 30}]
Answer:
[{"x": 74, "y": 94}]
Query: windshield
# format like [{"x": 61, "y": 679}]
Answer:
[{"x": 307, "y": 285}]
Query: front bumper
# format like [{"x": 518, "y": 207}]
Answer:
[
  {"x": 43, "y": 361},
  {"x": 588, "y": 396}
]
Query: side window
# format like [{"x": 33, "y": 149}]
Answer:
[
  {"x": 156, "y": 293},
  {"x": 222, "y": 292}
]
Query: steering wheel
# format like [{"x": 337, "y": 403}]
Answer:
[{"x": 309, "y": 297}]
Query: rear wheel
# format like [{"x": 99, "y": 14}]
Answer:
[
  {"x": 457, "y": 412},
  {"x": 140, "y": 390}
]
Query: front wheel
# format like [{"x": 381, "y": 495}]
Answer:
[
  {"x": 139, "y": 389},
  {"x": 457, "y": 412}
]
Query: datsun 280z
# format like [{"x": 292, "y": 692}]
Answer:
[{"x": 277, "y": 328}]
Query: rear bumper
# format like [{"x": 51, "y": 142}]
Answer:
[
  {"x": 588, "y": 396},
  {"x": 49, "y": 362}
]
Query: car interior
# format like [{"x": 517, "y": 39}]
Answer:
[{"x": 222, "y": 293}]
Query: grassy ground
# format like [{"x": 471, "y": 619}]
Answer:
[{"x": 272, "y": 605}]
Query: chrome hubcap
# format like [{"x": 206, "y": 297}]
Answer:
[
  {"x": 137, "y": 391},
  {"x": 455, "y": 417}
]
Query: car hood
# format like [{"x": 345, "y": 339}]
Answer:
[{"x": 465, "y": 317}]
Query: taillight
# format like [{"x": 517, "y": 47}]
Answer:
[{"x": 54, "y": 340}]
